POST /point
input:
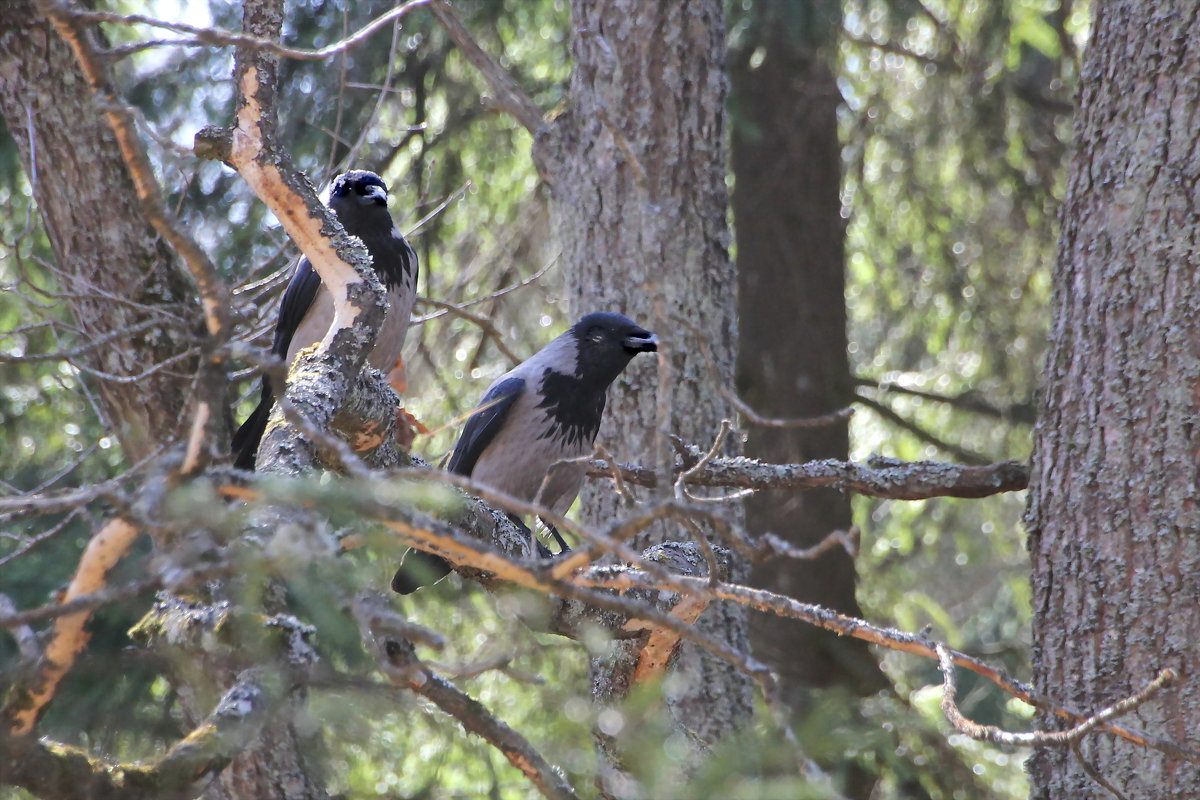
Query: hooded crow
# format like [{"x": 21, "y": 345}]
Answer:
[
  {"x": 543, "y": 411},
  {"x": 359, "y": 199}
]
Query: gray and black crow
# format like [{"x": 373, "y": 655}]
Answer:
[
  {"x": 359, "y": 199},
  {"x": 543, "y": 411}
]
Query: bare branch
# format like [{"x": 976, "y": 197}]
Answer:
[
  {"x": 27, "y": 640},
  {"x": 772, "y": 603},
  {"x": 705, "y": 460},
  {"x": 486, "y": 325},
  {"x": 220, "y": 37},
  {"x": 91, "y": 344},
  {"x": 66, "y": 500},
  {"x": 755, "y": 418},
  {"x": 879, "y": 477},
  {"x": 213, "y": 291},
  {"x": 508, "y": 95},
  {"x": 398, "y": 660},
  {"x": 31, "y": 542},
  {"x": 1094, "y": 773},
  {"x": 967, "y": 401},
  {"x": 770, "y": 545},
  {"x": 490, "y": 296},
  {"x": 885, "y": 411},
  {"x": 990, "y": 733},
  {"x": 86, "y": 602},
  {"x": 890, "y": 46}
]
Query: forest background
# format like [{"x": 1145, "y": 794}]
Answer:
[{"x": 896, "y": 171}]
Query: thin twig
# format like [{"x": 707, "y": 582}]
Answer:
[
  {"x": 755, "y": 418},
  {"x": 489, "y": 329},
  {"x": 705, "y": 460},
  {"x": 770, "y": 546},
  {"x": 967, "y": 401},
  {"x": 398, "y": 660},
  {"x": 1094, "y": 773},
  {"x": 780, "y": 605},
  {"x": 221, "y": 37},
  {"x": 509, "y": 96},
  {"x": 885, "y": 411},
  {"x": 991, "y": 733},
  {"x": 490, "y": 296}
]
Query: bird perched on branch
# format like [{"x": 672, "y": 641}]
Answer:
[
  {"x": 359, "y": 200},
  {"x": 532, "y": 418}
]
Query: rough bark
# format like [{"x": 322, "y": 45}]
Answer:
[
  {"x": 1113, "y": 517},
  {"x": 114, "y": 271},
  {"x": 638, "y": 169},
  {"x": 792, "y": 359}
]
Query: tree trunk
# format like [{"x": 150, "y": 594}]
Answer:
[
  {"x": 112, "y": 269},
  {"x": 792, "y": 358},
  {"x": 638, "y": 167},
  {"x": 1113, "y": 517}
]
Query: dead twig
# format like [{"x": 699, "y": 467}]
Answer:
[
  {"x": 483, "y": 323},
  {"x": 755, "y": 418},
  {"x": 223, "y": 38},
  {"x": 771, "y": 546},
  {"x": 509, "y": 97},
  {"x": 991, "y": 733},
  {"x": 771, "y": 603},
  {"x": 398, "y": 660}
]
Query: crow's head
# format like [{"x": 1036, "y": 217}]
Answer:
[
  {"x": 605, "y": 344},
  {"x": 358, "y": 187}
]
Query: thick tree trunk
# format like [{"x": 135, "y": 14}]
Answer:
[
  {"x": 1114, "y": 525},
  {"x": 114, "y": 271},
  {"x": 638, "y": 167},
  {"x": 792, "y": 359}
]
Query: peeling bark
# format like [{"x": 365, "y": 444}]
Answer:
[{"x": 1113, "y": 516}]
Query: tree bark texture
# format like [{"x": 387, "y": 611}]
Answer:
[
  {"x": 1114, "y": 526},
  {"x": 638, "y": 169},
  {"x": 112, "y": 268},
  {"x": 792, "y": 359}
]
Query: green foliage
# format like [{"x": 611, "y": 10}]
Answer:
[{"x": 955, "y": 165}]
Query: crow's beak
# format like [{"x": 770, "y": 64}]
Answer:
[
  {"x": 644, "y": 342},
  {"x": 376, "y": 193}
]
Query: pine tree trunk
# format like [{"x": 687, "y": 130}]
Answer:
[
  {"x": 1114, "y": 525},
  {"x": 115, "y": 273},
  {"x": 639, "y": 183},
  {"x": 792, "y": 358}
]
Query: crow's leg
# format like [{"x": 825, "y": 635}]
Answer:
[
  {"x": 562, "y": 544},
  {"x": 542, "y": 550}
]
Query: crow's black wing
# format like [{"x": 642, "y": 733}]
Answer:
[
  {"x": 484, "y": 424},
  {"x": 297, "y": 299},
  {"x": 421, "y": 568}
]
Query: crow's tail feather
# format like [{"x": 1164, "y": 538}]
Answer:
[{"x": 249, "y": 436}]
